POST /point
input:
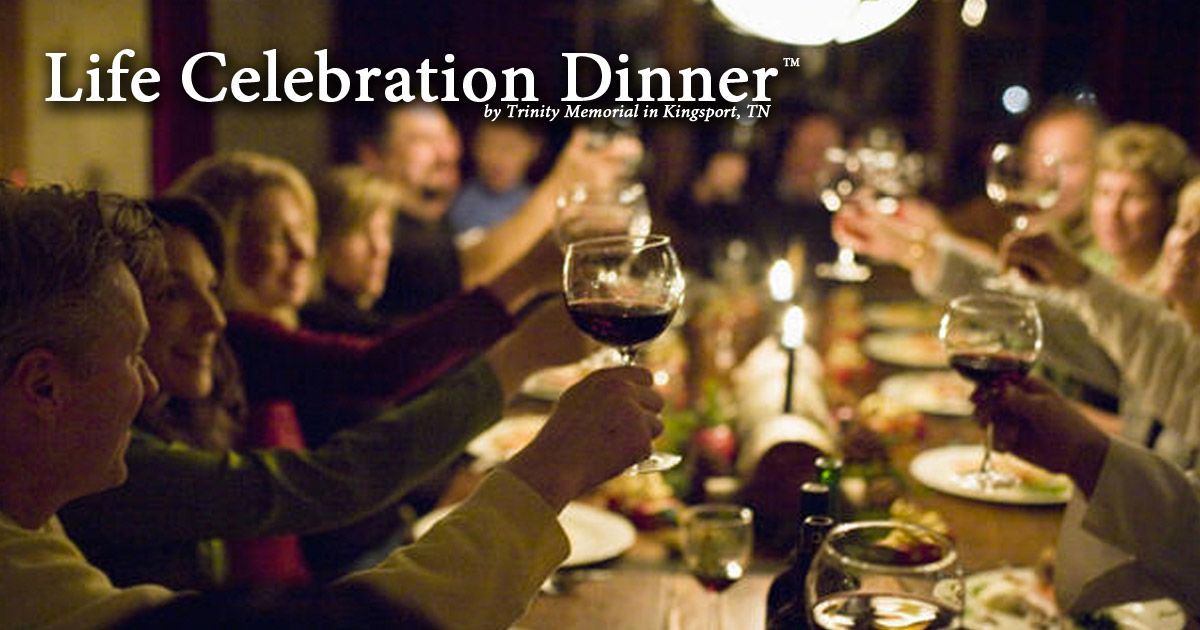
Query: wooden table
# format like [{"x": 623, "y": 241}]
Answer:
[{"x": 649, "y": 589}]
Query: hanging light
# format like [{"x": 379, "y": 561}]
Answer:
[{"x": 812, "y": 22}]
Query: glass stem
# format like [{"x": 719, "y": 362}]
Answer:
[
  {"x": 718, "y": 609},
  {"x": 628, "y": 354},
  {"x": 985, "y": 466},
  {"x": 845, "y": 256}
]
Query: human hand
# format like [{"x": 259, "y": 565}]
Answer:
[
  {"x": 1036, "y": 423},
  {"x": 859, "y": 225},
  {"x": 1180, "y": 278},
  {"x": 582, "y": 161},
  {"x": 1043, "y": 259},
  {"x": 600, "y": 427}
]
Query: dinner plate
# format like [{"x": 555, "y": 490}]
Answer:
[
  {"x": 1011, "y": 599},
  {"x": 907, "y": 348},
  {"x": 595, "y": 535},
  {"x": 937, "y": 468},
  {"x": 906, "y": 315},
  {"x": 941, "y": 392},
  {"x": 505, "y": 438},
  {"x": 550, "y": 383}
]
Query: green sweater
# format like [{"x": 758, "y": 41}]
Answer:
[{"x": 161, "y": 524}]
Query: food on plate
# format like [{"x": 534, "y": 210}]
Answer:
[
  {"x": 909, "y": 512},
  {"x": 1031, "y": 477},
  {"x": 647, "y": 500},
  {"x": 550, "y": 383}
]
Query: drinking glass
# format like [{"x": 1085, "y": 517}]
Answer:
[
  {"x": 718, "y": 541},
  {"x": 885, "y": 172},
  {"x": 885, "y": 574},
  {"x": 623, "y": 291},
  {"x": 1020, "y": 183},
  {"x": 990, "y": 337},
  {"x": 844, "y": 177}
]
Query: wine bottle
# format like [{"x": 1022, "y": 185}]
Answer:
[{"x": 786, "y": 607}]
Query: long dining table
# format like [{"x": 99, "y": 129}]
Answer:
[{"x": 648, "y": 587}]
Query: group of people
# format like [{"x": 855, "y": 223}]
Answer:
[
  {"x": 1114, "y": 266},
  {"x": 177, "y": 408},
  {"x": 192, "y": 385}
]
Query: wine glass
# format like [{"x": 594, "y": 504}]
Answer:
[
  {"x": 885, "y": 574},
  {"x": 585, "y": 211},
  {"x": 718, "y": 541},
  {"x": 623, "y": 291},
  {"x": 1020, "y": 183},
  {"x": 990, "y": 337},
  {"x": 844, "y": 177}
]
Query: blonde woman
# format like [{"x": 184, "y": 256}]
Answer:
[{"x": 357, "y": 213}]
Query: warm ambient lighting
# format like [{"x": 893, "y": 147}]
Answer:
[
  {"x": 793, "y": 327},
  {"x": 813, "y": 22},
  {"x": 973, "y": 12},
  {"x": 781, "y": 281}
]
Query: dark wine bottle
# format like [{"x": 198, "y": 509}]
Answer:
[{"x": 786, "y": 606}]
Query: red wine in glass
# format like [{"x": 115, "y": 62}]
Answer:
[
  {"x": 986, "y": 369},
  {"x": 619, "y": 323},
  {"x": 717, "y": 582}
]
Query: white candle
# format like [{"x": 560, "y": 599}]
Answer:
[
  {"x": 794, "y": 324},
  {"x": 781, "y": 281}
]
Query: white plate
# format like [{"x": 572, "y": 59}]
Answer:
[
  {"x": 1009, "y": 599},
  {"x": 505, "y": 438},
  {"x": 908, "y": 315},
  {"x": 595, "y": 534},
  {"x": 943, "y": 392},
  {"x": 549, "y": 383},
  {"x": 937, "y": 468},
  {"x": 907, "y": 348}
]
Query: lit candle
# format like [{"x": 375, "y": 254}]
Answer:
[
  {"x": 781, "y": 281},
  {"x": 793, "y": 337}
]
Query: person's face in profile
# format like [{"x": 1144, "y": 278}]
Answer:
[
  {"x": 357, "y": 262},
  {"x": 1128, "y": 216},
  {"x": 1180, "y": 280},
  {"x": 101, "y": 400},
  {"x": 274, "y": 250},
  {"x": 186, "y": 320}
]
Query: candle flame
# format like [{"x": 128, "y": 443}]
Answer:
[
  {"x": 794, "y": 323},
  {"x": 781, "y": 281}
]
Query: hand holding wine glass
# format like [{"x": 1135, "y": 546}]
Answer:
[
  {"x": 885, "y": 574},
  {"x": 718, "y": 542},
  {"x": 624, "y": 291},
  {"x": 990, "y": 337},
  {"x": 1023, "y": 184}
]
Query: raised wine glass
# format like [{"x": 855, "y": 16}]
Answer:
[
  {"x": 844, "y": 172},
  {"x": 1022, "y": 184},
  {"x": 718, "y": 542},
  {"x": 990, "y": 337},
  {"x": 623, "y": 291},
  {"x": 885, "y": 574}
]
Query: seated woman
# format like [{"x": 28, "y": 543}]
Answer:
[
  {"x": 1155, "y": 342},
  {"x": 188, "y": 484},
  {"x": 356, "y": 211}
]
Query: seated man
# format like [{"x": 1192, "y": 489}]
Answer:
[{"x": 72, "y": 378}]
